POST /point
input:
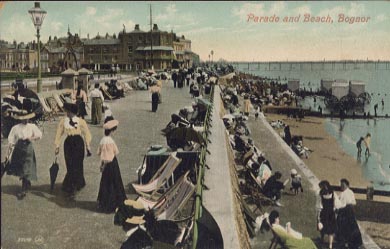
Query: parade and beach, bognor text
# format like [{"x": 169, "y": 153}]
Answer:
[{"x": 308, "y": 18}]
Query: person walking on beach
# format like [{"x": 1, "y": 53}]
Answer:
[
  {"x": 348, "y": 232},
  {"x": 326, "y": 217},
  {"x": 287, "y": 135},
  {"x": 247, "y": 103},
  {"x": 367, "y": 142},
  {"x": 111, "y": 190},
  {"x": 97, "y": 105},
  {"x": 375, "y": 109},
  {"x": 359, "y": 146},
  {"x": 22, "y": 162},
  {"x": 383, "y": 104},
  {"x": 73, "y": 127}
]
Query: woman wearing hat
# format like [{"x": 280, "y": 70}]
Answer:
[
  {"x": 81, "y": 98},
  {"x": 73, "y": 127},
  {"x": 111, "y": 191},
  {"x": 23, "y": 162},
  {"x": 155, "y": 90}
]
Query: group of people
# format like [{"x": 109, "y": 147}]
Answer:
[
  {"x": 335, "y": 215},
  {"x": 22, "y": 160}
]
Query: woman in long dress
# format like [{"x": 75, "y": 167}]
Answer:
[
  {"x": 111, "y": 191},
  {"x": 97, "y": 105},
  {"x": 23, "y": 161},
  {"x": 81, "y": 99},
  {"x": 326, "y": 216},
  {"x": 348, "y": 230},
  {"x": 155, "y": 90},
  {"x": 73, "y": 127}
]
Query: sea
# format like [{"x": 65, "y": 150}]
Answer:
[{"x": 376, "y": 75}]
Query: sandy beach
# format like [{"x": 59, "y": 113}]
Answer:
[{"x": 328, "y": 161}]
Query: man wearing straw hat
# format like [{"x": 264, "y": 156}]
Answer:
[
  {"x": 23, "y": 161},
  {"x": 74, "y": 148}
]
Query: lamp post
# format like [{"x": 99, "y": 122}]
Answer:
[{"x": 37, "y": 16}]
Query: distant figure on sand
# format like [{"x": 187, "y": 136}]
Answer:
[
  {"x": 359, "y": 146},
  {"x": 367, "y": 142},
  {"x": 375, "y": 108}
]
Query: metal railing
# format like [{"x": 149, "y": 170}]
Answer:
[{"x": 201, "y": 169}]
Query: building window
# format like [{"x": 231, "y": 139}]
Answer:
[{"x": 130, "y": 49}]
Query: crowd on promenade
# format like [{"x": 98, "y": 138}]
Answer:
[
  {"x": 74, "y": 126},
  {"x": 262, "y": 181}
]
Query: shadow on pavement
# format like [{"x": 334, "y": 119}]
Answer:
[{"x": 56, "y": 196}]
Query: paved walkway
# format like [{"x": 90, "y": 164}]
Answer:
[{"x": 54, "y": 221}]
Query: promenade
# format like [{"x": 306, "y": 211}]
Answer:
[{"x": 50, "y": 220}]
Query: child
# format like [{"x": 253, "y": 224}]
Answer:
[
  {"x": 111, "y": 191},
  {"x": 296, "y": 181}
]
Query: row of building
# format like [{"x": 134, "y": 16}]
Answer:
[{"x": 134, "y": 50}]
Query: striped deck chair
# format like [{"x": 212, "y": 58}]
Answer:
[
  {"x": 59, "y": 101},
  {"x": 106, "y": 94},
  {"x": 52, "y": 103},
  {"x": 155, "y": 204},
  {"x": 175, "y": 201},
  {"x": 159, "y": 178},
  {"x": 47, "y": 111}
]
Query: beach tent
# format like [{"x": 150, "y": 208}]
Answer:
[
  {"x": 326, "y": 84},
  {"x": 293, "y": 85},
  {"x": 340, "y": 88},
  {"x": 357, "y": 87}
]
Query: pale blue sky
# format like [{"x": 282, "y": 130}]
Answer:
[{"x": 222, "y": 26}]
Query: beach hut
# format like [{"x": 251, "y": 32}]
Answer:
[
  {"x": 357, "y": 87},
  {"x": 326, "y": 84},
  {"x": 340, "y": 88},
  {"x": 83, "y": 78},
  {"x": 69, "y": 77},
  {"x": 293, "y": 85}
]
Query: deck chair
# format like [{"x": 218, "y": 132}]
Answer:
[
  {"x": 47, "y": 111},
  {"x": 175, "y": 201},
  {"x": 257, "y": 196},
  {"x": 59, "y": 101},
  {"x": 249, "y": 215},
  {"x": 106, "y": 94},
  {"x": 155, "y": 204},
  {"x": 159, "y": 178},
  {"x": 52, "y": 103}
]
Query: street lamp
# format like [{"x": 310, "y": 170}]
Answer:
[{"x": 37, "y": 16}]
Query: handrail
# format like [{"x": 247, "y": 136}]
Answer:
[{"x": 200, "y": 175}]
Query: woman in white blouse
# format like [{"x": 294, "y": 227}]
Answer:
[
  {"x": 111, "y": 191},
  {"x": 348, "y": 232},
  {"x": 23, "y": 161}
]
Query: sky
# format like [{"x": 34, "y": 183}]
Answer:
[{"x": 234, "y": 31}]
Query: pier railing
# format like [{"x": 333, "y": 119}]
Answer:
[{"x": 201, "y": 169}]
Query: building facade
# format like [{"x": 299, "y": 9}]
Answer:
[
  {"x": 18, "y": 57},
  {"x": 134, "y": 50}
]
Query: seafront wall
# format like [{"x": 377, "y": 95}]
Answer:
[{"x": 219, "y": 200}]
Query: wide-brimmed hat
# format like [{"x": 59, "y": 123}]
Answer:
[
  {"x": 137, "y": 220},
  {"x": 294, "y": 172},
  {"x": 70, "y": 107},
  {"x": 110, "y": 124},
  {"x": 134, "y": 204},
  {"x": 24, "y": 116}
]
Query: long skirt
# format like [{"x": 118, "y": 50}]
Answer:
[
  {"x": 23, "y": 162},
  {"x": 74, "y": 159},
  {"x": 328, "y": 220},
  {"x": 81, "y": 108},
  {"x": 348, "y": 229},
  {"x": 97, "y": 106},
  {"x": 111, "y": 191},
  {"x": 155, "y": 99}
]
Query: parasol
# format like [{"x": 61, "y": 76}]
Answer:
[{"x": 53, "y": 173}]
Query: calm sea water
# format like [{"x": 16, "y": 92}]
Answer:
[{"x": 376, "y": 168}]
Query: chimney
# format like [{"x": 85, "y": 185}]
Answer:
[
  {"x": 155, "y": 27},
  {"x": 136, "y": 27}
]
